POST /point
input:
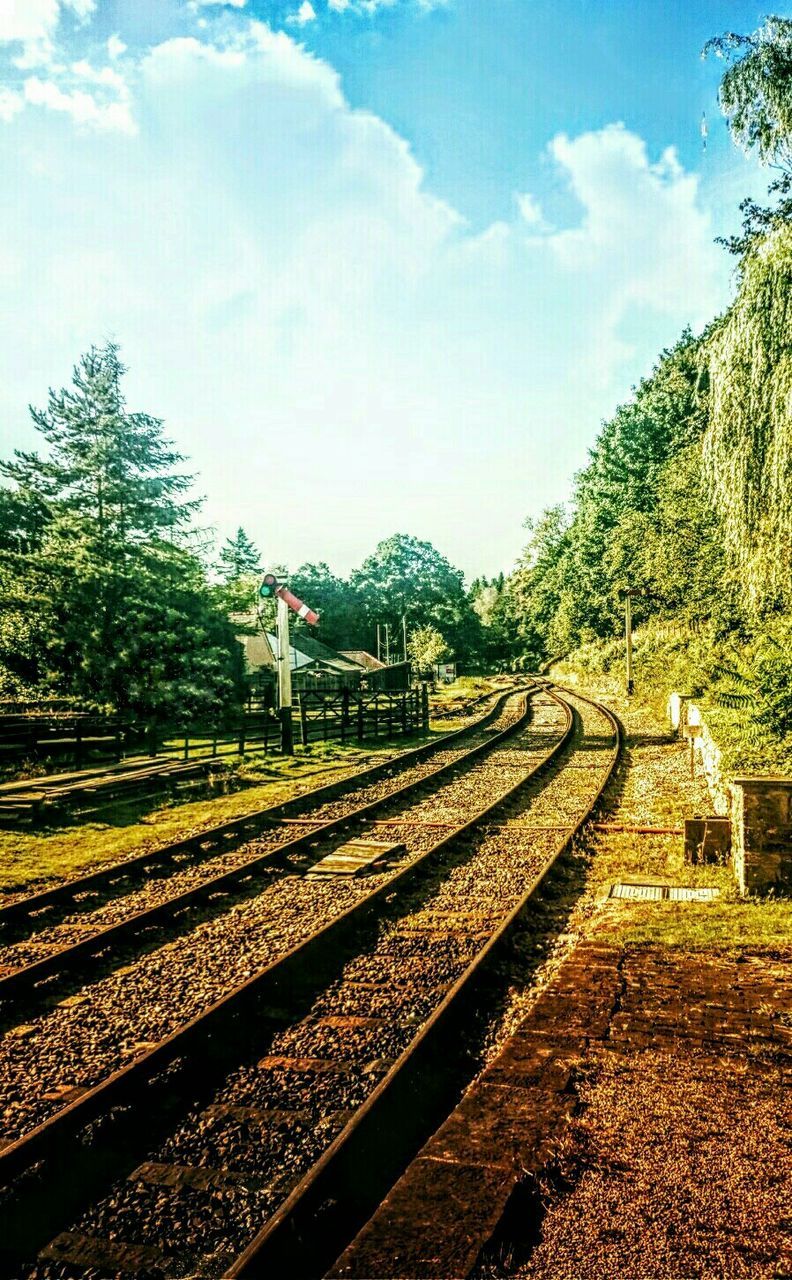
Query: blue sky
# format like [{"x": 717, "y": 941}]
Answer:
[{"x": 382, "y": 265}]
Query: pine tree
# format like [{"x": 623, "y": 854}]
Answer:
[
  {"x": 108, "y": 570},
  {"x": 238, "y": 557}
]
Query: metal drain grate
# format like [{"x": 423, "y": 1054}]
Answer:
[
  {"x": 683, "y": 894},
  {"x": 663, "y": 893}
]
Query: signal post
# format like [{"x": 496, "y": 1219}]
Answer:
[{"x": 272, "y": 589}]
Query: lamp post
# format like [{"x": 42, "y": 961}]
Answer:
[
  {"x": 628, "y": 636},
  {"x": 630, "y": 594}
]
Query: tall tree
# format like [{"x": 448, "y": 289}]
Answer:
[
  {"x": 425, "y": 648},
  {"x": 342, "y": 623},
  {"x": 106, "y": 558},
  {"x": 756, "y": 98},
  {"x": 239, "y": 557},
  {"x": 408, "y": 578}
]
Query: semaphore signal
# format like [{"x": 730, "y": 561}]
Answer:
[{"x": 272, "y": 589}]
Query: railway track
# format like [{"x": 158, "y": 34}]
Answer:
[
  {"x": 45, "y": 1116},
  {"x": 69, "y": 928},
  {"x": 413, "y": 947},
  {"x": 18, "y": 910}
]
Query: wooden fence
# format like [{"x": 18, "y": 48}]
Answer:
[
  {"x": 352, "y": 714},
  {"x": 79, "y": 740}
]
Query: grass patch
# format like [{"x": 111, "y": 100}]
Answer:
[
  {"x": 728, "y": 923},
  {"x": 655, "y": 789},
  {"x": 462, "y": 688},
  {"x": 34, "y": 857}
]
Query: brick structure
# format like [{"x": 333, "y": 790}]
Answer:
[{"x": 762, "y": 834}]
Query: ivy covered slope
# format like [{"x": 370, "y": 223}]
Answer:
[{"x": 687, "y": 500}]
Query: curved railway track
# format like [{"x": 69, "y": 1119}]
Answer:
[
  {"x": 352, "y": 1019},
  {"x": 193, "y": 873}
]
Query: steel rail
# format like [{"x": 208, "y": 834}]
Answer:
[
  {"x": 237, "y": 829},
  {"x": 54, "y": 1162},
  {"x": 19, "y": 983},
  {"x": 343, "y": 1188}
]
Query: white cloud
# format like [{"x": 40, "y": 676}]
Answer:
[
  {"x": 305, "y": 14},
  {"x": 82, "y": 8},
  {"x": 643, "y": 236},
  {"x": 371, "y": 7},
  {"x": 27, "y": 19},
  {"x": 530, "y": 210},
  {"x": 84, "y": 107},
  {"x": 115, "y": 47},
  {"x": 294, "y": 301},
  {"x": 11, "y": 104},
  {"x": 30, "y": 20}
]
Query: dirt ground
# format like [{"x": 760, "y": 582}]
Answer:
[{"x": 675, "y": 1156}]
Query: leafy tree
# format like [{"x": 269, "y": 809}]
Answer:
[
  {"x": 425, "y": 648},
  {"x": 748, "y": 443},
  {"x": 408, "y": 577},
  {"x": 756, "y": 98},
  {"x": 641, "y": 496},
  {"x": 342, "y": 621},
  {"x": 239, "y": 566},
  {"x": 492, "y": 605}
]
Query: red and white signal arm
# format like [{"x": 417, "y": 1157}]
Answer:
[{"x": 297, "y": 606}]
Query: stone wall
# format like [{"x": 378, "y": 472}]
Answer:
[
  {"x": 686, "y": 718},
  {"x": 762, "y": 834},
  {"x": 760, "y": 808}
]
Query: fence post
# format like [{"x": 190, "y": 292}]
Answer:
[
  {"x": 324, "y": 719},
  {"x": 119, "y": 754},
  {"x": 425, "y": 705},
  {"x": 376, "y": 716},
  {"x": 303, "y": 720},
  {"x": 390, "y": 715},
  {"x": 242, "y": 729},
  {"x": 186, "y": 746},
  {"x": 214, "y": 741},
  {"x": 404, "y": 712},
  {"x": 344, "y": 713},
  {"x": 78, "y": 747},
  {"x": 360, "y": 717}
]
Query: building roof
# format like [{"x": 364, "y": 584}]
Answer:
[
  {"x": 305, "y": 651},
  {"x": 362, "y": 659}
]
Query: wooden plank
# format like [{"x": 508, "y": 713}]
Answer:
[
  {"x": 106, "y": 1255},
  {"x": 356, "y": 856}
]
